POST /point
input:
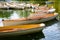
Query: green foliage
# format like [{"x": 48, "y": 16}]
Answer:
[
  {"x": 23, "y": 13},
  {"x": 5, "y": 14},
  {"x": 33, "y": 1}
]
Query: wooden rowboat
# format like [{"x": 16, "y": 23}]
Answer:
[
  {"x": 26, "y": 28},
  {"x": 31, "y": 21},
  {"x": 20, "y": 29}
]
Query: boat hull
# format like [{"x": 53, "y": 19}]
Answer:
[
  {"x": 21, "y": 32},
  {"x": 27, "y": 31},
  {"x": 21, "y": 29},
  {"x": 18, "y": 22}
]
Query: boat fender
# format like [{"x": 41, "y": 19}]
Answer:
[
  {"x": 51, "y": 10},
  {"x": 1, "y": 23},
  {"x": 42, "y": 24},
  {"x": 55, "y": 13}
]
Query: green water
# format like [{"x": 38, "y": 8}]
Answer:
[{"x": 8, "y": 14}]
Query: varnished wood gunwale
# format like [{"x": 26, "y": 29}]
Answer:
[{"x": 19, "y": 27}]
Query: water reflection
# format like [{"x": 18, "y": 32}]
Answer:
[
  {"x": 52, "y": 32},
  {"x": 14, "y": 15},
  {"x": 33, "y": 36},
  {"x": 5, "y": 13}
]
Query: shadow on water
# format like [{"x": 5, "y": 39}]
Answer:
[
  {"x": 33, "y": 36},
  {"x": 51, "y": 22}
]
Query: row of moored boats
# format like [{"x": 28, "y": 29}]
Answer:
[{"x": 16, "y": 5}]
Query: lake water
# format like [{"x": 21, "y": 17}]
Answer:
[{"x": 50, "y": 32}]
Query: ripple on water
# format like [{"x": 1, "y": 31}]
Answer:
[{"x": 52, "y": 32}]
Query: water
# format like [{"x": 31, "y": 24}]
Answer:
[
  {"x": 50, "y": 32},
  {"x": 9, "y": 14}
]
